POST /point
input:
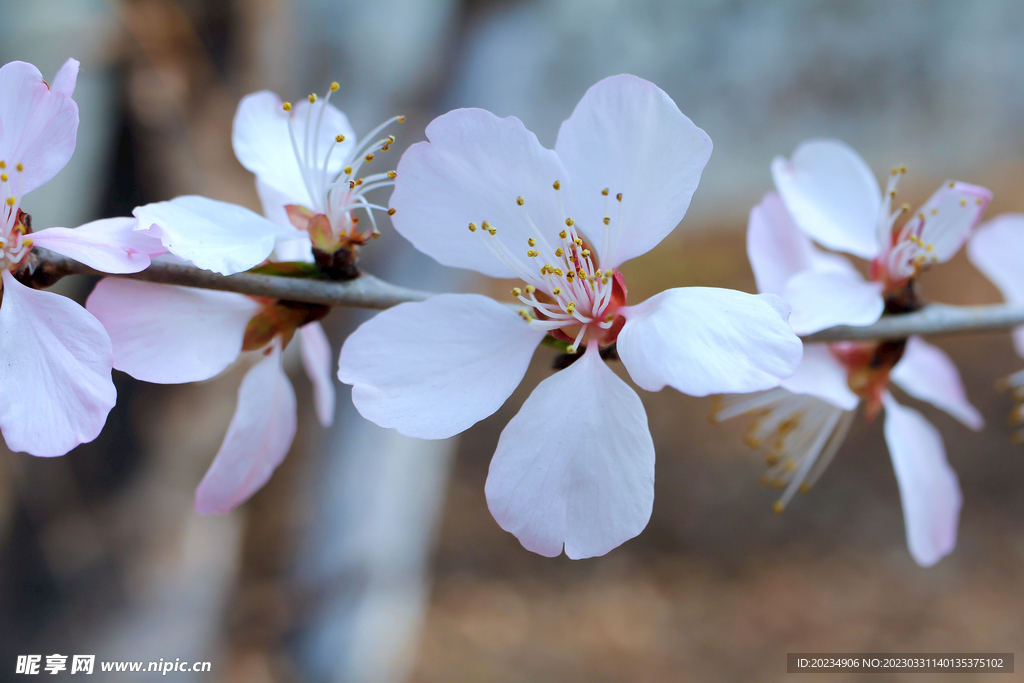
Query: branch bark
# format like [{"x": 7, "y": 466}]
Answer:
[{"x": 366, "y": 291}]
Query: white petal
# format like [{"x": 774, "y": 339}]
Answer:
[
  {"x": 575, "y": 466},
  {"x": 928, "y": 374},
  {"x": 218, "y": 236},
  {"x": 258, "y": 439},
  {"x": 264, "y": 146},
  {"x": 473, "y": 168},
  {"x": 55, "y": 386},
  {"x": 821, "y": 374},
  {"x": 949, "y": 215},
  {"x": 929, "y": 489},
  {"x": 168, "y": 334},
  {"x": 318, "y": 362},
  {"x": 110, "y": 245},
  {"x": 995, "y": 250},
  {"x": 38, "y": 128},
  {"x": 778, "y": 249},
  {"x": 702, "y": 340},
  {"x": 824, "y": 299},
  {"x": 832, "y": 195},
  {"x": 627, "y": 135},
  {"x": 433, "y": 369},
  {"x": 66, "y": 78}
]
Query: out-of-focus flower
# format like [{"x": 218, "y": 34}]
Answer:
[
  {"x": 55, "y": 385},
  {"x": 307, "y": 164},
  {"x": 803, "y": 423},
  {"x": 996, "y": 249},
  {"x": 168, "y": 334},
  {"x": 832, "y": 196},
  {"x": 575, "y": 467}
]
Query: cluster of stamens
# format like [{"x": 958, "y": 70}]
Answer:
[
  {"x": 337, "y": 194},
  {"x": 565, "y": 289},
  {"x": 15, "y": 243}
]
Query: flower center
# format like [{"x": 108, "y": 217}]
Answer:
[
  {"x": 868, "y": 366},
  {"x": 336, "y": 193},
  {"x": 15, "y": 224},
  {"x": 566, "y": 291}
]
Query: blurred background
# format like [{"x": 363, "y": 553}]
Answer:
[{"x": 372, "y": 558}]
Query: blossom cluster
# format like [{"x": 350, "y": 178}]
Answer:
[{"x": 573, "y": 470}]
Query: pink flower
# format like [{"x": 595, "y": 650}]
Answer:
[
  {"x": 307, "y": 163},
  {"x": 575, "y": 467},
  {"x": 55, "y": 385},
  {"x": 995, "y": 249},
  {"x": 170, "y": 335},
  {"x": 803, "y": 423}
]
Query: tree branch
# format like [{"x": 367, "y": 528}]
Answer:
[{"x": 366, "y": 291}]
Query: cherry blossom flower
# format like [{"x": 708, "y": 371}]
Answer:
[
  {"x": 575, "y": 467},
  {"x": 995, "y": 249},
  {"x": 307, "y": 163},
  {"x": 832, "y": 196},
  {"x": 167, "y": 334},
  {"x": 55, "y": 383},
  {"x": 803, "y": 423}
]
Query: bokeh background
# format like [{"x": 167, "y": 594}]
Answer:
[{"x": 372, "y": 558}]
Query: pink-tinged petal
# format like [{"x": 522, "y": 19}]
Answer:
[
  {"x": 168, "y": 334},
  {"x": 55, "y": 386},
  {"x": 274, "y": 202},
  {"x": 628, "y": 136},
  {"x": 110, "y": 245},
  {"x": 473, "y": 169},
  {"x": 66, "y": 78},
  {"x": 832, "y": 195},
  {"x": 949, "y": 215},
  {"x": 218, "y": 236},
  {"x": 995, "y": 250},
  {"x": 433, "y": 369},
  {"x": 703, "y": 340},
  {"x": 318, "y": 362},
  {"x": 824, "y": 299},
  {"x": 928, "y": 374},
  {"x": 263, "y": 143},
  {"x": 778, "y": 249},
  {"x": 38, "y": 128},
  {"x": 821, "y": 374},
  {"x": 575, "y": 466},
  {"x": 929, "y": 489},
  {"x": 258, "y": 439}
]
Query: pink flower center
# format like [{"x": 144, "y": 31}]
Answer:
[{"x": 14, "y": 241}]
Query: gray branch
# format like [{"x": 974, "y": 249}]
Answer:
[{"x": 367, "y": 291}]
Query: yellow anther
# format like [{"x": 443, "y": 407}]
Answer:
[
  {"x": 895, "y": 170},
  {"x": 369, "y": 157},
  {"x": 348, "y": 170},
  {"x": 921, "y": 216},
  {"x": 339, "y": 138},
  {"x": 27, "y": 242},
  {"x": 392, "y": 175},
  {"x": 516, "y": 291},
  {"x": 556, "y": 291},
  {"x": 934, "y": 211},
  {"x": 563, "y": 234},
  {"x": 530, "y": 289},
  {"x": 485, "y": 225},
  {"x": 391, "y": 212},
  {"x": 892, "y": 194},
  {"x": 533, "y": 254},
  {"x": 904, "y": 208},
  {"x": 903, "y": 169},
  {"x": 287, "y": 106},
  {"x": 20, "y": 167},
  {"x": 598, "y": 273},
  {"x": 979, "y": 202},
  {"x": 492, "y": 231},
  {"x": 3, "y": 177},
  {"x": 619, "y": 196},
  {"x": 585, "y": 252},
  {"x": 607, "y": 220},
  {"x": 952, "y": 184},
  {"x": 359, "y": 182},
  {"x": 520, "y": 201},
  {"x": 571, "y": 350},
  {"x": 963, "y": 202},
  {"x": 804, "y": 487},
  {"x": 532, "y": 242},
  {"x": 604, "y": 192},
  {"x": 570, "y": 276},
  {"x": 335, "y": 86},
  {"x": 558, "y": 252},
  {"x": 557, "y": 271},
  {"x": 10, "y": 201},
  {"x": 578, "y": 242},
  {"x": 375, "y": 234},
  {"x": 778, "y": 507},
  {"x": 472, "y": 227},
  {"x": 312, "y": 98},
  {"x": 391, "y": 139},
  {"x": 557, "y": 185},
  {"x": 571, "y": 307},
  {"x": 401, "y": 119},
  {"x": 610, "y": 317},
  {"x": 930, "y": 247},
  {"x": 569, "y": 222}
]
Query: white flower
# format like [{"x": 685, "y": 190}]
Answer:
[{"x": 575, "y": 467}]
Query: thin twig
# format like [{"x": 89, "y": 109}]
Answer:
[{"x": 367, "y": 291}]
